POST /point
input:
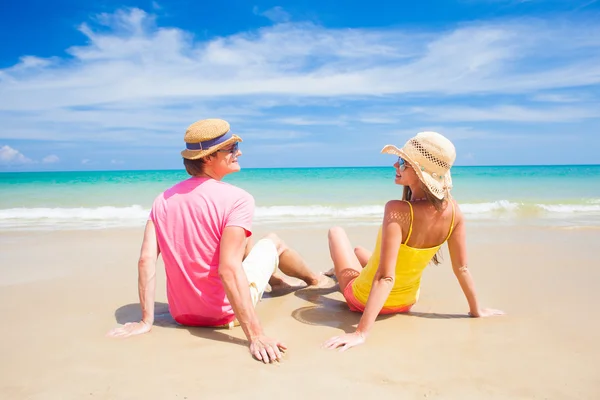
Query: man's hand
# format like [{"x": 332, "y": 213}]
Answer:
[
  {"x": 486, "y": 312},
  {"x": 266, "y": 349},
  {"x": 345, "y": 341},
  {"x": 130, "y": 329}
]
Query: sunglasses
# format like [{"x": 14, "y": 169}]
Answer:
[
  {"x": 232, "y": 150},
  {"x": 402, "y": 164}
]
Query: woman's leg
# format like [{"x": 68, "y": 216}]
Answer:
[
  {"x": 363, "y": 255},
  {"x": 345, "y": 263}
]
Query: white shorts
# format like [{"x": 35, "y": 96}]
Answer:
[{"x": 261, "y": 263}]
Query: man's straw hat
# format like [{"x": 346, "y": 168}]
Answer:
[
  {"x": 206, "y": 136},
  {"x": 431, "y": 155}
]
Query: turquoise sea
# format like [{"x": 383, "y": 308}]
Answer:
[{"x": 566, "y": 196}]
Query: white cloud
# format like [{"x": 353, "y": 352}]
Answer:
[
  {"x": 117, "y": 162},
  {"x": 509, "y": 113},
  {"x": 275, "y": 14},
  {"x": 559, "y": 97},
  {"x": 267, "y": 134},
  {"x": 10, "y": 156},
  {"x": 137, "y": 60},
  {"x": 85, "y": 161},
  {"x": 304, "y": 121},
  {"x": 136, "y": 82},
  {"x": 51, "y": 159}
]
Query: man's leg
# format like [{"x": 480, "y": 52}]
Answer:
[{"x": 292, "y": 264}]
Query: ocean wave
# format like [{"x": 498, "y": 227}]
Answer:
[
  {"x": 570, "y": 208},
  {"x": 484, "y": 208},
  {"x": 79, "y": 213},
  {"x": 136, "y": 215},
  {"x": 318, "y": 211},
  {"x": 73, "y": 218}
]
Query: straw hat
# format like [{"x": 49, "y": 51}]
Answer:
[
  {"x": 206, "y": 136},
  {"x": 431, "y": 155}
]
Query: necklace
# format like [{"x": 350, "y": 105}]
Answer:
[{"x": 421, "y": 199}]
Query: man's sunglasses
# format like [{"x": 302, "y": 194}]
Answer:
[{"x": 233, "y": 149}]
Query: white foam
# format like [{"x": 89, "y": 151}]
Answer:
[
  {"x": 569, "y": 208},
  {"x": 72, "y": 218},
  {"x": 318, "y": 211},
  {"x": 484, "y": 208},
  {"x": 134, "y": 212},
  {"x": 136, "y": 215}
]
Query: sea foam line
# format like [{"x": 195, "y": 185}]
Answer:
[{"x": 137, "y": 212}]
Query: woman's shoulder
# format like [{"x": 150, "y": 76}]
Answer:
[
  {"x": 397, "y": 205},
  {"x": 453, "y": 205},
  {"x": 397, "y": 208}
]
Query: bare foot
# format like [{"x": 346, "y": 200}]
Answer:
[
  {"x": 324, "y": 281},
  {"x": 282, "y": 288},
  {"x": 330, "y": 273}
]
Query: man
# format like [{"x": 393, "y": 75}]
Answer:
[{"x": 202, "y": 228}]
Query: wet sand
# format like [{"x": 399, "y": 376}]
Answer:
[{"x": 60, "y": 292}]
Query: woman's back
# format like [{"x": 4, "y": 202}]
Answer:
[
  {"x": 430, "y": 227},
  {"x": 424, "y": 230}
]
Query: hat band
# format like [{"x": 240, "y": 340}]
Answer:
[{"x": 209, "y": 143}]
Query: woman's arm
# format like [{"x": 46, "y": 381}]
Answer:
[
  {"x": 457, "y": 245},
  {"x": 383, "y": 282}
]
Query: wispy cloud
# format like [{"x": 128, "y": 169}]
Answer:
[
  {"x": 138, "y": 83},
  {"x": 137, "y": 60},
  {"x": 309, "y": 121},
  {"x": 51, "y": 159},
  {"x": 275, "y": 14},
  {"x": 560, "y": 97},
  {"x": 510, "y": 113},
  {"x": 10, "y": 156}
]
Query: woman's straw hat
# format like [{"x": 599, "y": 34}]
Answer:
[
  {"x": 206, "y": 136},
  {"x": 431, "y": 155}
]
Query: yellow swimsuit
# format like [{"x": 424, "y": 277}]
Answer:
[{"x": 410, "y": 264}]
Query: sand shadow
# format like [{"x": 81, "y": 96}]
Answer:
[
  {"x": 279, "y": 292},
  {"x": 421, "y": 314},
  {"x": 327, "y": 311},
  {"x": 336, "y": 314},
  {"x": 162, "y": 318}
]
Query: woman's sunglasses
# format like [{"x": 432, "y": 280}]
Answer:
[{"x": 402, "y": 164}]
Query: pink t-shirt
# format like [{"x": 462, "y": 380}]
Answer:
[{"x": 189, "y": 219}]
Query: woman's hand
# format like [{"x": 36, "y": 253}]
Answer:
[
  {"x": 486, "y": 312},
  {"x": 345, "y": 341}
]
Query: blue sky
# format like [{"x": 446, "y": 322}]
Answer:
[{"x": 113, "y": 85}]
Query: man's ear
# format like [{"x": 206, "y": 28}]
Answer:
[{"x": 209, "y": 158}]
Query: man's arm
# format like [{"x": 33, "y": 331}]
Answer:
[
  {"x": 237, "y": 288},
  {"x": 146, "y": 286}
]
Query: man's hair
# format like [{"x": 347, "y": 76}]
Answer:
[{"x": 195, "y": 167}]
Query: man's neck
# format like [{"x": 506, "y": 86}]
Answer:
[{"x": 208, "y": 174}]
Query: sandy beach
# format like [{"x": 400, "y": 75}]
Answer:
[{"x": 60, "y": 292}]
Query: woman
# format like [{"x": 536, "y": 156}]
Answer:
[{"x": 412, "y": 232}]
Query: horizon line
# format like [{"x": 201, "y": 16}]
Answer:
[{"x": 321, "y": 167}]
